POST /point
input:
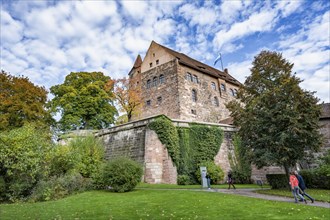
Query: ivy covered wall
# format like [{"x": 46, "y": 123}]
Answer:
[{"x": 189, "y": 147}]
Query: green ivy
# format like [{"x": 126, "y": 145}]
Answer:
[
  {"x": 167, "y": 135},
  {"x": 188, "y": 146}
]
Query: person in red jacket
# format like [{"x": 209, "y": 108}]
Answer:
[{"x": 295, "y": 187}]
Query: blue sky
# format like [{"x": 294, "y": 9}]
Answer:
[{"x": 46, "y": 40}]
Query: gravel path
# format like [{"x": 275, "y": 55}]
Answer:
[{"x": 251, "y": 193}]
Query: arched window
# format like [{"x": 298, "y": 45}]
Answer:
[
  {"x": 223, "y": 87},
  {"x": 215, "y": 101},
  {"x": 194, "y": 95},
  {"x": 148, "y": 84},
  {"x": 235, "y": 92},
  {"x": 161, "y": 79},
  {"x": 155, "y": 81},
  {"x": 189, "y": 76},
  {"x": 213, "y": 86},
  {"x": 232, "y": 92},
  {"x": 195, "y": 79}
]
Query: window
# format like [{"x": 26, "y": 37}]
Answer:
[
  {"x": 235, "y": 92},
  {"x": 223, "y": 87},
  {"x": 153, "y": 54},
  {"x": 148, "y": 102},
  {"x": 148, "y": 84},
  {"x": 232, "y": 92},
  {"x": 154, "y": 81},
  {"x": 161, "y": 79},
  {"x": 193, "y": 111},
  {"x": 213, "y": 86},
  {"x": 157, "y": 62},
  {"x": 159, "y": 100},
  {"x": 215, "y": 101},
  {"x": 195, "y": 79},
  {"x": 189, "y": 77},
  {"x": 194, "y": 95},
  {"x": 150, "y": 64}
]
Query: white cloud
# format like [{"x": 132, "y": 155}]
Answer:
[
  {"x": 240, "y": 70},
  {"x": 198, "y": 16},
  {"x": 11, "y": 30},
  {"x": 263, "y": 21}
]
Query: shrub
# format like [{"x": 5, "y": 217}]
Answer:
[
  {"x": 90, "y": 154},
  {"x": 122, "y": 174},
  {"x": 59, "y": 186},
  {"x": 215, "y": 172},
  {"x": 277, "y": 181},
  {"x": 316, "y": 178},
  {"x": 184, "y": 180},
  {"x": 22, "y": 160}
]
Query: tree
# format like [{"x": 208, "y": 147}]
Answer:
[
  {"x": 21, "y": 102},
  {"x": 128, "y": 95},
  {"x": 85, "y": 101},
  {"x": 277, "y": 120},
  {"x": 23, "y": 153}
]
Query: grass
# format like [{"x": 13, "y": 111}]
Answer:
[
  {"x": 318, "y": 194},
  {"x": 172, "y": 186},
  {"x": 161, "y": 204}
]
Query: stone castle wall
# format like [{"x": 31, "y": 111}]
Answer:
[{"x": 136, "y": 141}]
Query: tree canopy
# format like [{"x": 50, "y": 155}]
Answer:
[
  {"x": 84, "y": 100},
  {"x": 21, "y": 101},
  {"x": 277, "y": 119},
  {"x": 128, "y": 95}
]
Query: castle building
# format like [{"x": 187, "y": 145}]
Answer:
[{"x": 181, "y": 87}]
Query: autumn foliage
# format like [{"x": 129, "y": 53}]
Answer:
[
  {"x": 128, "y": 95},
  {"x": 20, "y": 102}
]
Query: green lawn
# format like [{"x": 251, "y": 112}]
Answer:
[
  {"x": 172, "y": 186},
  {"x": 161, "y": 204}
]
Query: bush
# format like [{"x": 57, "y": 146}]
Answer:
[
  {"x": 277, "y": 181},
  {"x": 215, "y": 172},
  {"x": 59, "y": 187},
  {"x": 317, "y": 179},
  {"x": 22, "y": 160},
  {"x": 184, "y": 180},
  {"x": 122, "y": 174}
]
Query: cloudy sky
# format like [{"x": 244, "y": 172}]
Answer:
[{"x": 46, "y": 40}]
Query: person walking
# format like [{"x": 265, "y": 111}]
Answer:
[
  {"x": 302, "y": 186},
  {"x": 295, "y": 187},
  {"x": 230, "y": 180},
  {"x": 208, "y": 180}
]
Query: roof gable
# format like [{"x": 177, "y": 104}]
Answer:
[{"x": 192, "y": 63}]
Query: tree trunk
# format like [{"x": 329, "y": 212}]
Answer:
[{"x": 286, "y": 168}]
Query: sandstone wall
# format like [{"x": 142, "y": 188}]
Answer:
[{"x": 136, "y": 141}]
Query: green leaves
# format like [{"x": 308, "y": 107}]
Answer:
[
  {"x": 85, "y": 101},
  {"x": 278, "y": 120}
]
